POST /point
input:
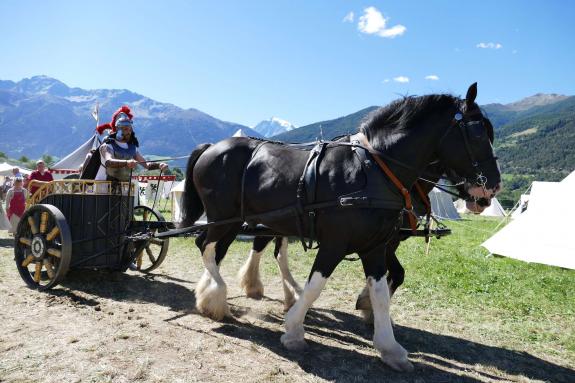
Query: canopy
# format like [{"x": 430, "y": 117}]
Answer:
[
  {"x": 542, "y": 234},
  {"x": 6, "y": 169},
  {"x": 494, "y": 210},
  {"x": 72, "y": 162},
  {"x": 442, "y": 205}
]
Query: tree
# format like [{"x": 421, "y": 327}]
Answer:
[{"x": 48, "y": 160}]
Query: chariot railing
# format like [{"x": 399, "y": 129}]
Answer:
[{"x": 80, "y": 187}]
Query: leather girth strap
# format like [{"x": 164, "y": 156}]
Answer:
[{"x": 306, "y": 193}]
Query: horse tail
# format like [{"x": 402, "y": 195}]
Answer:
[{"x": 192, "y": 206}]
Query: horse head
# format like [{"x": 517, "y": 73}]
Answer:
[{"x": 466, "y": 148}]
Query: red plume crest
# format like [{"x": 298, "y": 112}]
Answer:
[{"x": 112, "y": 124}]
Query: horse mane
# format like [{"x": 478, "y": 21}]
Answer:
[{"x": 386, "y": 125}]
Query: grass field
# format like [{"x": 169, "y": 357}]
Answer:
[{"x": 462, "y": 315}]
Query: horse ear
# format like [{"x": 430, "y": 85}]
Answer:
[{"x": 471, "y": 94}]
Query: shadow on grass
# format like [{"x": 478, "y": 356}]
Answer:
[
  {"x": 439, "y": 358},
  {"x": 130, "y": 288}
]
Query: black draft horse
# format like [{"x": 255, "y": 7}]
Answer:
[
  {"x": 247, "y": 177},
  {"x": 249, "y": 273}
]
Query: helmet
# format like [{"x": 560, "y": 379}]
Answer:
[{"x": 123, "y": 120}]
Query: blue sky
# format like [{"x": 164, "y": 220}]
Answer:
[{"x": 304, "y": 61}]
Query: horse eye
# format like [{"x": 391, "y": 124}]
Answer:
[{"x": 476, "y": 129}]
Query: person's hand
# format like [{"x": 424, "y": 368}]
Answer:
[
  {"x": 163, "y": 166},
  {"x": 131, "y": 164}
]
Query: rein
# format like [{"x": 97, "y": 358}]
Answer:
[
  {"x": 396, "y": 182},
  {"x": 402, "y": 189}
]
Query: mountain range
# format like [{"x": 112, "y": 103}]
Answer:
[
  {"x": 41, "y": 115},
  {"x": 535, "y": 136}
]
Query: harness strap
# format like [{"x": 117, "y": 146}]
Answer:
[
  {"x": 424, "y": 198},
  {"x": 402, "y": 189}
]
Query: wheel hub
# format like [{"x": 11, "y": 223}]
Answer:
[{"x": 38, "y": 247}]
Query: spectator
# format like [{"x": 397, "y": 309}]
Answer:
[
  {"x": 16, "y": 173},
  {"x": 38, "y": 177},
  {"x": 9, "y": 181},
  {"x": 16, "y": 203}
]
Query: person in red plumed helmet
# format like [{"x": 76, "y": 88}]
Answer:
[{"x": 119, "y": 153}]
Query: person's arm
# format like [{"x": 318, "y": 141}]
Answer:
[
  {"x": 150, "y": 165},
  {"x": 35, "y": 182},
  {"x": 8, "y": 199},
  {"x": 109, "y": 162}
]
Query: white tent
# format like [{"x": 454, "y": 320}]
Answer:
[
  {"x": 542, "y": 234},
  {"x": 494, "y": 210},
  {"x": 442, "y": 205},
  {"x": 177, "y": 192},
  {"x": 73, "y": 161},
  {"x": 6, "y": 169},
  {"x": 240, "y": 133}
]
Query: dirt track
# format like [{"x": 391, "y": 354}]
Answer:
[{"x": 101, "y": 326}]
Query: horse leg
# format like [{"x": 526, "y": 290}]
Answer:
[
  {"x": 211, "y": 293},
  {"x": 292, "y": 290},
  {"x": 249, "y": 273},
  {"x": 395, "y": 276},
  {"x": 324, "y": 264},
  {"x": 206, "y": 279},
  {"x": 396, "y": 273},
  {"x": 391, "y": 352}
]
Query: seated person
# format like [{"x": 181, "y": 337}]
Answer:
[{"x": 119, "y": 153}]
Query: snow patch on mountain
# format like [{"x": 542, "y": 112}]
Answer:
[{"x": 273, "y": 126}]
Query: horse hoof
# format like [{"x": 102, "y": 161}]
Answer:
[
  {"x": 255, "y": 292},
  {"x": 401, "y": 366},
  {"x": 293, "y": 344},
  {"x": 211, "y": 302},
  {"x": 397, "y": 364},
  {"x": 217, "y": 314}
]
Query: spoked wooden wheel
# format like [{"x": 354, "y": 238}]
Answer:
[
  {"x": 43, "y": 246},
  {"x": 154, "y": 250}
]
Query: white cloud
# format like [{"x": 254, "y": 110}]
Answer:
[
  {"x": 489, "y": 46},
  {"x": 372, "y": 22},
  {"x": 432, "y": 77},
  {"x": 403, "y": 79},
  {"x": 385, "y": 81},
  {"x": 348, "y": 18}
]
